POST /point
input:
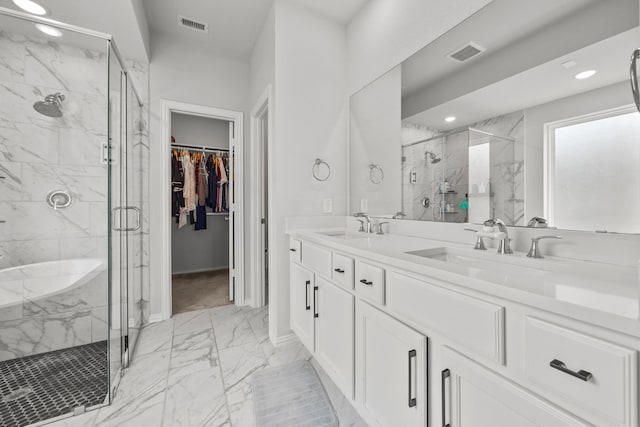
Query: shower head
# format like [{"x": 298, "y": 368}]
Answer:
[
  {"x": 50, "y": 107},
  {"x": 432, "y": 157}
]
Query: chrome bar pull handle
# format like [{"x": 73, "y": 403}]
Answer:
[
  {"x": 581, "y": 374},
  {"x": 445, "y": 377},
  {"x": 306, "y": 295},
  {"x": 633, "y": 75},
  {"x": 412, "y": 359}
]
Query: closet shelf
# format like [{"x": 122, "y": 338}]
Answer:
[
  {"x": 217, "y": 213},
  {"x": 199, "y": 148}
]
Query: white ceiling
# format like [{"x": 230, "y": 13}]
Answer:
[
  {"x": 538, "y": 85},
  {"x": 115, "y": 17},
  {"x": 234, "y": 25}
]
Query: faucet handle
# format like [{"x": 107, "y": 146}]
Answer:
[
  {"x": 361, "y": 225},
  {"x": 380, "y": 227},
  {"x": 534, "y": 251},
  {"x": 479, "y": 246}
]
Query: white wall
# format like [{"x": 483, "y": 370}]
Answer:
[
  {"x": 386, "y": 32},
  {"x": 192, "y": 74},
  {"x": 310, "y": 121}
]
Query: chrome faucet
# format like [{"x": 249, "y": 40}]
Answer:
[
  {"x": 368, "y": 218},
  {"x": 504, "y": 247},
  {"x": 534, "y": 251},
  {"x": 479, "y": 246}
]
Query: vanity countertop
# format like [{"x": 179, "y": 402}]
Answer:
[{"x": 601, "y": 294}]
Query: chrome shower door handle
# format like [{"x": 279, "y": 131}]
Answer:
[
  {"x": 138, "y": 223},
  {"x": 633, "y": 75}
]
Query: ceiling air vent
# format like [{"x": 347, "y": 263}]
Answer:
[
  {"x": 192, "y": 24},
  {"x": 466, "y": 52}
]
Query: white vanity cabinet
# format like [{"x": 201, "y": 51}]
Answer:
[
  {"x": 473, "y": 396},
  {"x": 301, "y": 304},
  {"x": 391, "y": 369},
  {"x": 322, "y": 316}
]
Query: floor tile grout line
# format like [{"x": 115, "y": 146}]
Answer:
[
  {"x": 224, "y": 388},
  {"x": 166, "y": 383}
]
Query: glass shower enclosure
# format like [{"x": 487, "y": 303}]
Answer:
[{"x": 73, "y": 192}]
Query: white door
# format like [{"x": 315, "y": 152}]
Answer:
[
  {"x": 473, "y": 396},
  {"x": 232, "y": 212},
  {"x": 335, "y": 334},
  {"x": 391, "y": 364},
  {"x": 302, "y": 308}
]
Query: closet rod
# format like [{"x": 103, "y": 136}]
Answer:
[{"x": 199, "y": 148}]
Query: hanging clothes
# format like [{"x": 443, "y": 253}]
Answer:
[
  {"x": 177, "y": 183},
  {"x": 203, "y": 183}
]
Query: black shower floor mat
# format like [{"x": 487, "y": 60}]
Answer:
[{"x": 47, "y": 385}]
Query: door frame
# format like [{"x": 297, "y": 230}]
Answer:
[
  {"x": 256, "y": 153},
  {"x": 168, "y": 107}
]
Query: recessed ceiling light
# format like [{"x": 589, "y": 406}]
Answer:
[
  {"x": 450, "y": 119},
  {"x": 50, "y": 31},
  {"x": 30, "y": 6},
  {"x": 585, "y": 74}
]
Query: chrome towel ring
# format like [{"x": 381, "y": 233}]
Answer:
[
  {"x": 376, "y": 174},
  {"x": 321, "y": 170}
]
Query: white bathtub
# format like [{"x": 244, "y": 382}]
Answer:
[{"x": 42, "y": 280}]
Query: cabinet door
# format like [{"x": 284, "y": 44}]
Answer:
[
  {"x": 335, "y": 333},
  {"x": 473, "y": 396},
  {"x": 391, "y": 370},
  {"x": 301, "y": 302}
]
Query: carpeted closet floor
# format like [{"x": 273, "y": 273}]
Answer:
[{"x": 197, "y": 291}]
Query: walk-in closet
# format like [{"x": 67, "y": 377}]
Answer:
[{"x": 201, "y": 191}]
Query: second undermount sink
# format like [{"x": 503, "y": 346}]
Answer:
[
  {"x": 341, "y": 234},
  {"x": 483, "y": 262}
]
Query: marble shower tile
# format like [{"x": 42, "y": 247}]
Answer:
[
  {"x": 12, "y": 61},
  {"x": 37, "y": 220},
  {"x": 11, "y": 186},
  {"x": 193, "y": 321},
  {"x": 195, "y": 399},
  {"x": 66, "y": 68},
  {"x": 27, "y": 142},
  {"x": 99, "y": 323},
  {"x": 19, "y": 338},
  {"x": 84, "y": 247},
  {"x": 23, "y": 252}
]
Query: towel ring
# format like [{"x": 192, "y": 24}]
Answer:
[
  {"x": 316, "y": 170},
  {"x": 376, "y": 174}
]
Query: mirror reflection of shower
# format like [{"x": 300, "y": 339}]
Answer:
[
  {"x": 433, "y": 158},
  {"x": 51, "y": 106}
]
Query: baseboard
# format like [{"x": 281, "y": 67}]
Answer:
[
  {"x": 284, "y": 339},
  {"x": 155, "y": 317},
  {"x": 202, "y": 270}
]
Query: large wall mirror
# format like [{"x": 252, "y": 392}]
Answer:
[{"x": 523, "y": 110}]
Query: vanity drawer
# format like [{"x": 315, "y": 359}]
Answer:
[
  {"x": 317, "y": 259},
  {"x": 295, "y": 250},
  {"x": 593, "y": 378},
  {"x": 369, "y": 281},
  {"x": 473, "y": 324},
  {"x": 342, "y": 272}
]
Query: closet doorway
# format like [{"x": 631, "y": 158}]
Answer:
[{"x": 204, "y": 222}]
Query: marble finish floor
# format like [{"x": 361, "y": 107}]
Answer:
[
  {"x": 195, "y": 370},
  {"x": 198, "y": 291}
]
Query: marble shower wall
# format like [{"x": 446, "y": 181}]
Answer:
[
  {"x": 506, "y": 169},
  {"x": 39, "y": 154}
]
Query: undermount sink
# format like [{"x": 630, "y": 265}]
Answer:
[
  {"x": 486, "y": 263},
  {"x": 344, "y": 234}
]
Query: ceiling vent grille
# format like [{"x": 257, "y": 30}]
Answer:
[
  {"x": 192, "y": 24},
  {"x": 466, "y": 52}
]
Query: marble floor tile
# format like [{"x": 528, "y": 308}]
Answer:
[
  {"x": 180, "y": 377},
  {"x": 192, "y": 321},
  {"x": 195, "y": 351},
  {"x": 196, "y": 399},
  {"x": 155, "y": 337}
]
